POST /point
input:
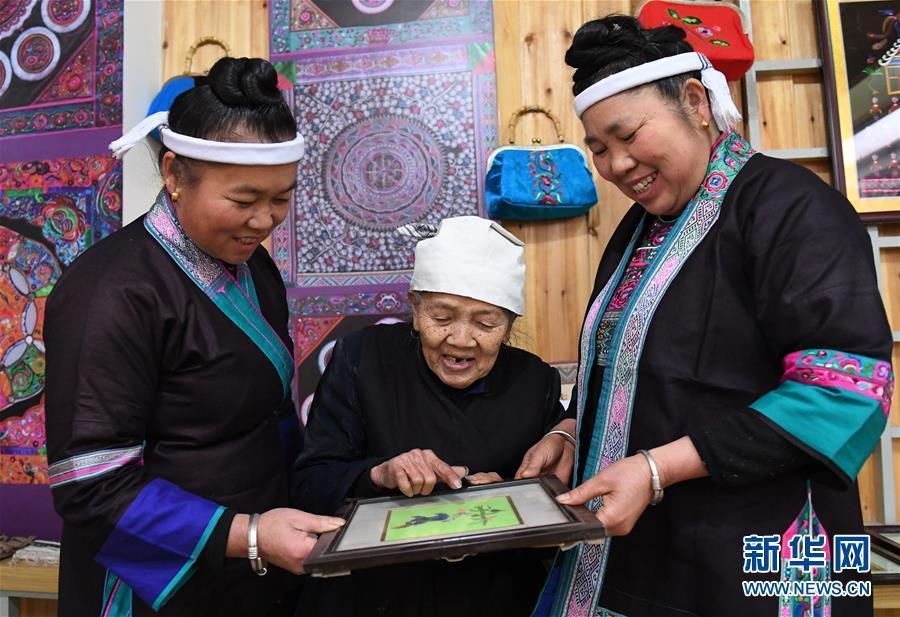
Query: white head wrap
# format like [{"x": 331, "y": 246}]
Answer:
[
  {"x": 724, "y": 111},
  {"x": 472, "y": 257},
  {"x": 233, "y": 152}
]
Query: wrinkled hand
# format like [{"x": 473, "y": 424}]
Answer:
[
  {"x": 554, "y": 454},
  {"x": 626, "y": 492},
  {"x": 286, "y": 536},
  {"x": 416, "y": 472},
  {"x": 483, "y": 477}
]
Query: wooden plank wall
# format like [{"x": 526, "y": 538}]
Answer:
[
  {"x": 531, "y": 39},
  {"x": 242, "y": 24}
]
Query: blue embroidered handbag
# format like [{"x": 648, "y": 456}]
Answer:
[
  {"x": 537, "y": 182},
  {"x": 178, "y": 84}
]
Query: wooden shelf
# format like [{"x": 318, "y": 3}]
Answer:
[
  {"x": 886, "y": 597},
  {"x": 28, "y": 581}
]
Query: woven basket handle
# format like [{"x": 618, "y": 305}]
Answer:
[
  {"x": 206, "y": 40},
  {"x": 533, "y": 109}
]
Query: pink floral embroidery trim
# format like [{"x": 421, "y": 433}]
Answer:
[{"x": 837, "y": 369}]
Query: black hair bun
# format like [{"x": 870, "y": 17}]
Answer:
[
  {"x": 619, "y": 41},
  {"x": 244, "y": 81},
  {"x": 238, "y": 98}
]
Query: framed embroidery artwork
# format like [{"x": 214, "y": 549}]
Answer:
[
  {"x": 452, "y": 525},
  {"x": 885, "y": 553},
  {"x": 860, "y": 41}
]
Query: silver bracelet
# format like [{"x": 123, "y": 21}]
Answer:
[
  {"x": 563, "y": 433},
  {"x": 654, "y": 479},
  {"x": 257, "y": 563}
]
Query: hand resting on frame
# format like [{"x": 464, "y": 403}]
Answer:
[
  {"x": 625, "y": 489},
  {"x": 483, "y": 477},
  {"x": 553, "y": 454},
  {"x": 285, "y": 536}
]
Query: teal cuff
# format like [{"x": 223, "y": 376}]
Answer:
[
  {"x": 838, "y": 424},
  {"x": 191, "y": 565}
]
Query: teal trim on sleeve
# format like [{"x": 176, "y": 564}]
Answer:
[
  {"x": 190, "y": 565},
  {"x": 839, "y": 424},
  {"x": 117, "y": 597}
]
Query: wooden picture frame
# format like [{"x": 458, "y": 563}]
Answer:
[
  {"x": 860, "y": 41},
  {"x": 885, "y": 557},
  {"x": 533, "y": 519},
  {"x": 885, "y": 536}
]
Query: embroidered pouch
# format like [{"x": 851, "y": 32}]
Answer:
[
  {"x": 538, "y": 182},
  {"x": 715, "y": 29}
]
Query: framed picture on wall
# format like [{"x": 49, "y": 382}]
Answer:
[{"x": 860, "y": 44}]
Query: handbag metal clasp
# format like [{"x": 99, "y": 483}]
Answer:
[{"x": 534, "y": 109}]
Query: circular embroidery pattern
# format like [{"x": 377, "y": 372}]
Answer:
[
  {"x": 5, "y": 73},
  {"x": 384, "y": 172},
  {"x": 110, "y": 201},
  {"x": 415, "y": 133},
  {"x": 26, "y": 277},
  {"x": 35, "y": 54},
  {"x": 13, "y": 14},
  {"x": 32, "y": 268},
  {"x": 62, "y": 219},
  {"x": 372, "y": 7},
  {"x": 27, "y": 430},
  {"x": 64, "y": 15},
  {"x": 23, "y": 365}
]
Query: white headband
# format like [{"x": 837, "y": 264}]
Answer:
[
  {"x": 233, "y": 152},
  {"x": 724, "y": 111}
]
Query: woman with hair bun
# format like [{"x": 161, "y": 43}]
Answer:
[
  {"x": 170, "y": 425},
  {"x": 735, "y": 359}
]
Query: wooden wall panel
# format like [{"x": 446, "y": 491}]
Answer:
[
  {"x": 890, "y": 273},
  {"x": 821, "y": 168},
  {"x": 776, "y": 116},
  {"x": 242, "y": 24},
  {"x": 791, "y": 111},
  {"x": 531, "y": 38},
  {"x": 771, "y": 35},
  {"x": 810, "y": 128},
  {"x": 802, "y": 40},
  {"x": 36, "y": 607},
  {"x": 868, "y": 481},
  {"x": 556, "y": 252}
]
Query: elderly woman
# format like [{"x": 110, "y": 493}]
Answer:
[
  {"x": 168, "y": 370},
  {"x": 735, "y": 354},
  {"x": 408, "y": 407}
]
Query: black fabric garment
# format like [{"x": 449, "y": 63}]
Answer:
[
  {"x": 736, "y": 448},
  {"x": 137, "y": 353},
  {"x": 787, "y": 266},
  {"x": 378, "y": 399},
  {"x": 744, "y": 448}
]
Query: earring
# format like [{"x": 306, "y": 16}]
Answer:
[
  {"x": 704, "y": 124},
  {"x": 175, "y": 195}
]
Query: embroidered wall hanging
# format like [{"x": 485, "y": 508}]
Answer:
[
  {"x": 60, "y": 105},
  {"x": 314, "y": 338},
  {"x": 398, "y": 103}
]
